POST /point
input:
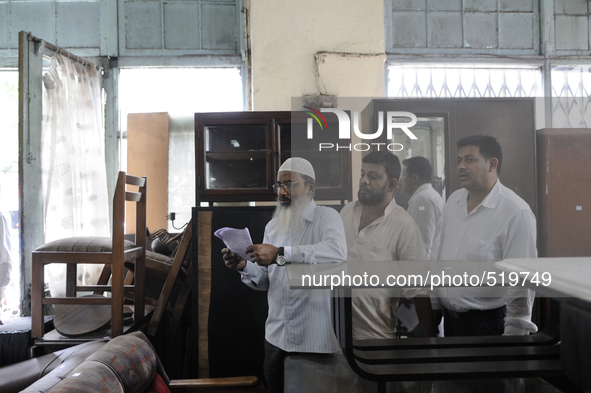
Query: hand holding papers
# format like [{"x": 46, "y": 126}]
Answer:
[{"x": 237, "y": 240}]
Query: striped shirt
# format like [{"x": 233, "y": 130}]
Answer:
[{"x": 300, "y": 320}]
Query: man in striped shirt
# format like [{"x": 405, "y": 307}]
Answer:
[{"x": 299, "y": 321}]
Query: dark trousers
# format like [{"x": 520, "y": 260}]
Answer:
[
  {"x": 273, "y": 367},
  {"x": 477, "y": 323},
  {"x": 474, "y": 322}
]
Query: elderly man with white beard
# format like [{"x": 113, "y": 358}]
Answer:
[{"x": 300, "y": 232}]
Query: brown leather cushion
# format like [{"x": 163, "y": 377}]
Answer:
[
  {"x": 159, "y": 265},
  {"x": 159, "y": 257}
]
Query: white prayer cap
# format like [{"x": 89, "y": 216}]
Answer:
[{"x": 299, "y": 165}]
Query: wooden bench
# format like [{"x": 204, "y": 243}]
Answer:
[{"x": 439, "y": 358}]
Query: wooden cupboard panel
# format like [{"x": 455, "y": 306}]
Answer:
[
  {"x": 228, "y": 318},
  {"x": 564, "y": 192},
  {"x": 147, "y": 155}
]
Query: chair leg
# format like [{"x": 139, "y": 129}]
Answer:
[
  {"x": 37, "y": 289},
  {"x": 128, "y": 278},
  {"x": 71, "y": 279},
  {"x": 128, "y": 281},
  {"x": 117, "y": 300},
  {"x": 179, "y": 307},
  {"x": 139, "y": 291},
  {"x": 171, "y": 280},
  {"x": 104, "y": 278}
]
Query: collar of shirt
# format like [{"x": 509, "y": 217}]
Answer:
[
  {"x": 420, "y": 189},
  {"x": 490, "y": 201},
  {"x": 423, "y": 186},
  {"x": 309, "y": 214}
]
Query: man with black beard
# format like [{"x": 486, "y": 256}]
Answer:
[
  {"x": 377, "y": 229},
  {"x": 299, "y": 321}
]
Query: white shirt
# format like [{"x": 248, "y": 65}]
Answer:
[
  {"x": 502, "y": 226},
  {"x": 426, "y": 208},
  {"x": 300, "y": 320},
  {"x": 391, "y": 237}
]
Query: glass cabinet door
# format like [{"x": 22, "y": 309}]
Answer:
[
  {"x": 238, "y": 155},
  {"x": 234, "y": 157}
]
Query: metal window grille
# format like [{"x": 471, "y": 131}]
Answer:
[
  {"x": 570, "y": 86},
  {"x": 460, "y": 82},
  {"x": 571, "y": 97}
]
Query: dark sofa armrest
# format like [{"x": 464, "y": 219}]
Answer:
[{"x": 52, "y": 367}]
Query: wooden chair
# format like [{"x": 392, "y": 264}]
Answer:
[
  {"x": 112, "y": 252},
  {"x": 174, "y": 272}
]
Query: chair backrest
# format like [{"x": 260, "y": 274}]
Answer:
[
  {"x": 178, "y": 262},
  {"x": 125, "y": 192}
]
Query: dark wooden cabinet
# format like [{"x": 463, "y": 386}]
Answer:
[
  {"x": 228, "y": 318},
  {"x": 238, "y": 155},
  {"x": 564, "y": 192}
]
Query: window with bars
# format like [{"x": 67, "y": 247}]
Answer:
[
  {"x": 571, "y": 97},
  {"x": 460, "y": 82},
  {"x": 570, "y": 86}
]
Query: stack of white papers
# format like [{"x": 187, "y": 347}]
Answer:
[{"x": 237, "y": 240}]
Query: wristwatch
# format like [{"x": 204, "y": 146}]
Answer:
[{"x": 280, "y": 260}]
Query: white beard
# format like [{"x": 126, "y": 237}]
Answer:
[{"x": 290, "y": 219}]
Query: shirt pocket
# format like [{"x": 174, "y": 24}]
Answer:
[
  {"x": 480, "y": 250},
  {"x": 367, "y": 260},
  {"x": 378, "y": 254}
]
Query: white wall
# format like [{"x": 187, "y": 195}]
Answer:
[{"x": 309, "y": 47}]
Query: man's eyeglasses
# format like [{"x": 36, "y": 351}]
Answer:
[{"x": 287, "y": 185}]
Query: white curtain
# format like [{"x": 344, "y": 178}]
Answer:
[{"x": 74, "y": 177}]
